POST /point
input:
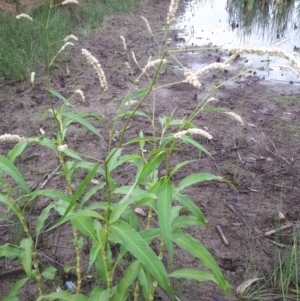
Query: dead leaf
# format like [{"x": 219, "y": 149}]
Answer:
[
  {"x": 140, "y": 211},
  {"x": 242, "y": 287}
]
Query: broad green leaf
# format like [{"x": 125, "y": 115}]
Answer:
[
  {"x": 186, "y": 221},
  {"x": 112, "y": 159},
  {"x": 145, "y": 281},
  {"x": 193, "y": 274},
  {"x": 96, "y": 247},
  {"x": 188, "y": 203},
  {"x": 136, "y": 193},
  {"x": 5, "y": 200},
  {"x": 26, "y": 245},
  {"x": 132, "y": 158},
  {"x": 120, "y": 208},
  {"x": 149, "y": 168},
  {"x": 10, "y": 251},
  {"x": 14, "y": 291},
  {"x": 180, "y": 165},
  {"x": 58, "y": 95},
  {"x": 72, "y": 154},
  {"x": 85, "y": 226},
  {"x": 95, "y": 294},
  {"x": 174, "y": 212},
  {"x": 131, "y": 218},
  {"x": 149, "y": 234},
  {"x": 63, "y": 296},
  {"x": 82, "y": 121},
  {"x": 196, "y": 178},
  {"x": 41, "y": 221},
  {"x": 16, "y": 151},
  {"x": 195, "y": 248},
  {"x": 98, "y": 228},
  {"x": 89, "y": 166},
  {"x": 121, "y": 254},
  {"x": 70, "y": 216},
  {"x": 135, "y": 95},
  {"x": 50, "y": 193},
  {"x": 164, "y": 204},
  {"x": 80, "y": 190},
  {"x": 139, "y": 248},
  {"x": 91, "y": 192},
  {"x": 190, "y": 140},
  {"x": 100, "y": 265},
  {"x": 129, "y": 276},
  {"x": 44, "y": 141},
  {"x": 145, "y": 139},
  {"x": 8, "y": 167},
  {"x": 49, "y": 273}
]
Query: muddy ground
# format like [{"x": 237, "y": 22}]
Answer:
[{"x": 261, "y": 158}]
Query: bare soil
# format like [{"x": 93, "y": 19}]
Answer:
[{"x": 260, "y": 158}]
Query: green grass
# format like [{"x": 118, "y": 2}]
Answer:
[{"x": 23, "y": 44}]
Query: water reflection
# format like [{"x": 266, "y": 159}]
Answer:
[
  {"x": 242, "y": 22},
  {"x": 270, "y": 20},
  {"x": 248, "y": 23}
]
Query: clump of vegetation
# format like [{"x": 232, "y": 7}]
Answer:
[
  {"x": 107, "y": 212},
  {"x": 32, "y": 44}
]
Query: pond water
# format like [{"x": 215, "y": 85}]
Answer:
[{"x": 249, "y": 23}]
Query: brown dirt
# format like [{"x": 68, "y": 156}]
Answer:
[{"x": 261, "y": 158}]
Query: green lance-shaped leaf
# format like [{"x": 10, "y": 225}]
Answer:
[
  {"x": 10, "y": 251},
  {"x": 63, "y": 296},
  {"x": 139, "y": 248},
  {"x": 164, "y": 204},
  {"x": 187, "y": 202},
  {"x": 58, "y": 95},
  {"x": 8, "y": 167},
  {"x": 41, "y": 221},
  {"x": 196, "y": 178},
  {"x": 145, "y": 281},
  {"x": 195, "y": 248},
  {"x": 186, "y": 221},
  {"x": 26, "y": 245},
  {"x": 85, "y": 226},
  {"x": 96, "y": 247},
  {"x": 50, "y": 193},
  {"x": 129, "y": 276},
  {"x": 113, "y": 159},
  {"x": 49, "y": 273},
  {"x": 5, "y": 200},
  {"x": 96, "y": 293},
  {"x": 91, "y": 192},
  {"x": 80, "y": 191},
  {"x": 44, "y": 141},
  {"x": 193, "y": 274},
  {"x": 135, "y": 95},
  {"x": 16, "y": 151},
  {"x": 15, "y": 289},
  {"x": 191, "y": 141},
  {"x": 88, "y": 213},
  {"x": 78, "y": 118},
  {"x": 180, "y": 165},
  {"x": 149, "y": 168}
]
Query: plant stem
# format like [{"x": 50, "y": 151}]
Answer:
[
  {"x": 160, "y": 256},
  {"x": 19, "y": 214},
  {"x": 75, "y": 231}
]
